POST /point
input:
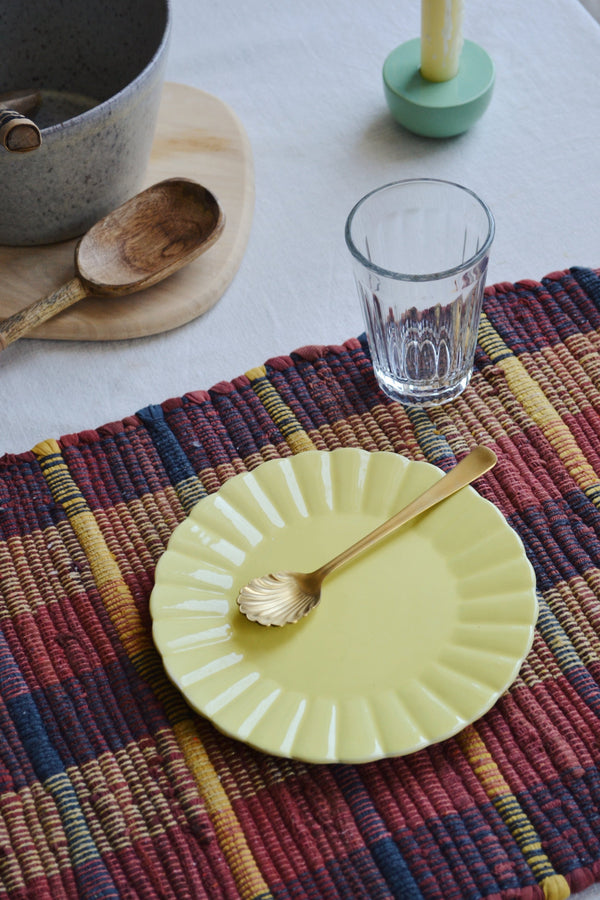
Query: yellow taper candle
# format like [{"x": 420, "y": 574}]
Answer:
[{"x": 441, "y": 38}]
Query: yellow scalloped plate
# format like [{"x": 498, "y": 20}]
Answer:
[{"x": 410, "y": 643}]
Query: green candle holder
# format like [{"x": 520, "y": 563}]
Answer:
[{"x": 437, "y": 109}]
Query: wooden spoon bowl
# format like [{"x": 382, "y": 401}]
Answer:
[{"x": 140, "y": 243}]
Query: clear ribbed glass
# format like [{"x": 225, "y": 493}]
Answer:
[{"x": 420, "y": 252}]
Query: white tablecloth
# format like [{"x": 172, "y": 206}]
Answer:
[{"x": 305, "y": 80}]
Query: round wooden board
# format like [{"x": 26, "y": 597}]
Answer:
[{"x": 199, "y": 137}]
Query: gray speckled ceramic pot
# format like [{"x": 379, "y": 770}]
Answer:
[{"x": 112, "y": 52}]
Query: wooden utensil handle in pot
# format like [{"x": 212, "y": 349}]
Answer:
[
  {"x": 18, "y": 134},
  {"x": 27, "y": 319},
  {"x": 24, "y": 102}
]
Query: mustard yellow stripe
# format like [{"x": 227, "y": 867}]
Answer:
[
  {"x": 231, "y": 838},
  {"x": 490, "y": 340},
  {"x": 280, "y": 413},
  {"x": 190, "y": 491},
  {"x": 555, "y": 886},
  {"x": 115, "y": 593},
  {"x": 535, "y": 403},
  {"x": 433, "y": 444},
  {"x": 82, "y": 846},
  {"x": 138, "y": 644}
]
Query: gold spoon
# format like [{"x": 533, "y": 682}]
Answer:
[
  {"x": 285, "y": 597},
  {"x": 140, "y": 243}
]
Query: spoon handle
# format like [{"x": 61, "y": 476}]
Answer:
[
  {"x": 25, "y": 320},
  {"x": 18, "y": 134},
  {"x": 476, "y": 463},
  {"x": 24, "y": 102}
]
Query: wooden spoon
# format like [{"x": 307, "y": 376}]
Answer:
[
  {"x": 282, "y": 598},
  {"x": 18, "y": 133},
  {"x": 138, "y": 244}
]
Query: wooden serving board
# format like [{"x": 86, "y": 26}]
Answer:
[{"x": 199, "y": 137}]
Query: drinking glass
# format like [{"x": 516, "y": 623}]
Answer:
[{"x": 420, "y": 250}]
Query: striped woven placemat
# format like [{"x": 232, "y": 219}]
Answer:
[{"x": 110, "y": 786}]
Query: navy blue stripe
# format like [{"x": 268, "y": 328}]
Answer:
[
  {"x": 384, "y": 850},
  {"x": 589, "y": 281}
]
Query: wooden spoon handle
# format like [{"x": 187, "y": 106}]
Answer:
[
  {"x": 26, "y": 319},
  {"x": 476, "y": 463},
  {"x": 18, "y": 133},
  {"x": 24, "y": 102}
]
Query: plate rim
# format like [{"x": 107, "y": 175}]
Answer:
[{"x": 230, "y": 485}]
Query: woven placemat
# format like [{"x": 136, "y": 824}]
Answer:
[{"x": 110, "y": 786}]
